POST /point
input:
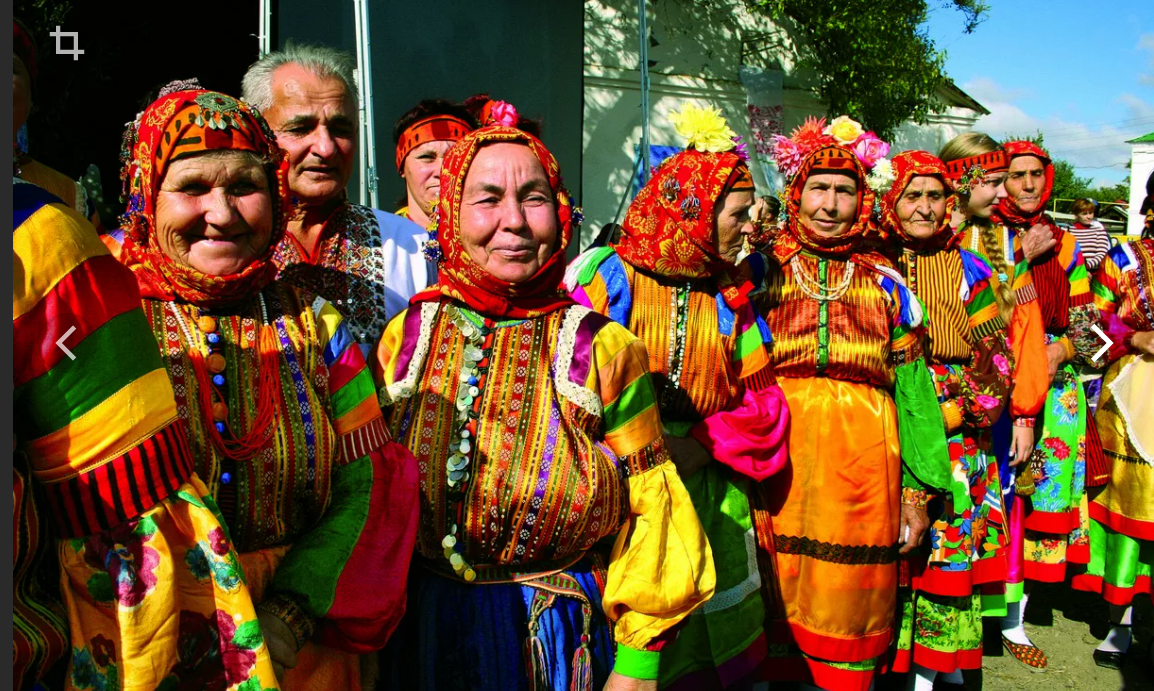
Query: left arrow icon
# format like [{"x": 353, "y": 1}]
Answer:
[{"x": 60, "y": 343}]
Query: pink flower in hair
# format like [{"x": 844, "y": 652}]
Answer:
[
  {"x": 503, "y": 113},
  {"x": 870, "y": 149},
  {"x": 787, "y": 154}
]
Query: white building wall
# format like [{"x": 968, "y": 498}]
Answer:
[{"x": 1141, "y": 166}]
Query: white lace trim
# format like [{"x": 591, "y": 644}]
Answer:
[
  {"x": 406, "y": 387},
  {"x": 737, "y": 594},
  {"x": 577, "y": 394}
]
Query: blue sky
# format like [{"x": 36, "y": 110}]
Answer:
[{"x": 1080, "y": 72}]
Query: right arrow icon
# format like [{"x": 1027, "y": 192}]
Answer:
[{"x": 1105, "y": 339}]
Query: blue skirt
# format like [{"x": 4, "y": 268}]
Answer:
[{"x": 465, "y": 637}]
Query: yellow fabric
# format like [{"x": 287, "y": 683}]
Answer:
[
  {"x": 137, "y": 411},
  {"x": 55, "y": 246},
  {"x": 952, "y": 415},
  {"x": 661, "y": 568},
  {"x": 145, "y": 636},
  {"x": 1130, "y": 395}
]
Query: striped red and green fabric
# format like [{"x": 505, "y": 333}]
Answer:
[{"x": 100, "y": 427}]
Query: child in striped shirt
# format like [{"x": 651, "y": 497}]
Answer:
[{"x": 1091, "y": 234}]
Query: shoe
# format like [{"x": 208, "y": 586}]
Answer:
[
  {"x": 1026, "y": 654},
  {"x": 1109, "y": 658}
]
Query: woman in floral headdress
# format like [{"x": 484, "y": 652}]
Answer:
[
  {"x": 941, "y": 624},
  {"x": 670, "y": 279},
  {"x": 848, "y": 354},
  {"x": 273, "y": 390},
  {"x": 976, "y": 170},
  {"x": 549, "y": 506}
]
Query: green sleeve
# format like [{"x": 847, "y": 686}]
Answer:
[{"x": 925, "y": 454}]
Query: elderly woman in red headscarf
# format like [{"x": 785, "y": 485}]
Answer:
[
  {"x": 422, "y": 136},
  {"x": 867, "y": 444},
  {"x": 671, "y": 280},
  {"x": 274, "y": 392},
  {"x": 969, "y": 359},
  {"x": 549, "y": 506}
]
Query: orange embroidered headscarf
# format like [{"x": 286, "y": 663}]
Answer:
[
  {"x": 669, "y": 228},
  {"x": 177, "y": 125},
  {"x": 462, "y": 279},
  {"x": 440, "y": 127},
  {"x": 832, "y": 158},
  {"x": 907, "y": 166}
]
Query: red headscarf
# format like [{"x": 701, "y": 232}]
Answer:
[
  {"x": 907, "y": 166},
  {"x": 1008, "y": 211},
  {"x": 177, "y": 125},
  {"x": 669, "y": 228},
  {"x": 797, "y": 236},
  {"x": 462, "y": 279}
]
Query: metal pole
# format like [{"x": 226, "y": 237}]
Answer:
[
  {"x": 368, "y": 150},
  {"x": 264, "y": 35},
  {"x": 643, "y": 40}
]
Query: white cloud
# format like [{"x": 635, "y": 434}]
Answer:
[
  {"x": 1099, "y": 150},
  {"x": 1146, "y": 43}
]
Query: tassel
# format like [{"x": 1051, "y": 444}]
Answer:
[
  {"x": 536, "y": 667},
  {"x": 582, "y": 679},
  {"x": 1024, "y": 482}
]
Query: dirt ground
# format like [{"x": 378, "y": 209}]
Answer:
[{"x": 1067, "y": 625}]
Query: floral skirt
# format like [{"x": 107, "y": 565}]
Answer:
[
  {"x": 940, "y": 633},
  {"x": 160, "y": 603},
  {"x": 723, "y": 641},
  {"x": 1056, "y": 525}
]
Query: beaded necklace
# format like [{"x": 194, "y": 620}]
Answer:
[
  {"x": 817, "y": 289},
  {"x": 678, "y": 323},
  {"x": 206, "y": 357},
  {"x": 474, "y": 371}
]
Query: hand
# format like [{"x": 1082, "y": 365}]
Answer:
[
  {"x": 1021, "y": 445},
  {"x": 687, "y": 454},
  {"x": 618, "y": 682},
  {"x": 370, "y": 671},
  {"x": 282, "y": 644},
  {"x": 918, "y": 521},
  {"x": 1056, "y": 357},
  {"x": 1036, "y": 241},
  {"x": 1143, "y": 342}
]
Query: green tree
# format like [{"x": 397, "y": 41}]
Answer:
[{"x": 874, "y": 60}]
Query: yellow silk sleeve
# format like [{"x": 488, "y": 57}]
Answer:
[{"x": 661, "y": 568}]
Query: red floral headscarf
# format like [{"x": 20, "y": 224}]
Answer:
[
  {"x": 669, "y": 228},
  {"x": 177, "y": 125},
  {"x": 1008, "y": 211},
  {"x": 907, "y": 166},
  {"x": 797, "y": 236},
  {"x": 462, "y": 279}
]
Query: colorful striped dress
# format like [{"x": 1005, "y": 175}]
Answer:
[
  {"x": 568, "y": 513},
  {"x": 727, "y": 398},
  {"x": 866, "y": 425},
  {"x": 324, "y": 515},
  {"x": 941, "y": 625},
  {"x": 101, "y": 435},
  {"x": 1122, "y": 526}
]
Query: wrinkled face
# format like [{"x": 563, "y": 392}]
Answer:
[
  {"x": 732, "y": 223},
  {"x": 922, "y": 206},
  {"x": 508, "y": 215},
  {"x": 829, "y": 203},
  {"x": 1085, "y": 217},
  {"x": 21, "y": 94},
  {"x": 1026, "y": 182},
  {"x": 214, "y": 212},
  {"x": 985, "y": 195},
  {"x": 315, "y": 120},
  {"x": 422, "y": 173}
]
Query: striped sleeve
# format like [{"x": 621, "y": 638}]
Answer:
[
  {"x": 620, "y": 375},
  {"x": 986, "y": 376},
  {"x": 353, "y": 408},
  {"x": 981, "y": 307},
  {"x": 1108, "y": 279},
  {"x": 99, "y": 425},
  {"x": 1023, "y": 283},
  {"x": 1070, "y": 256}
]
